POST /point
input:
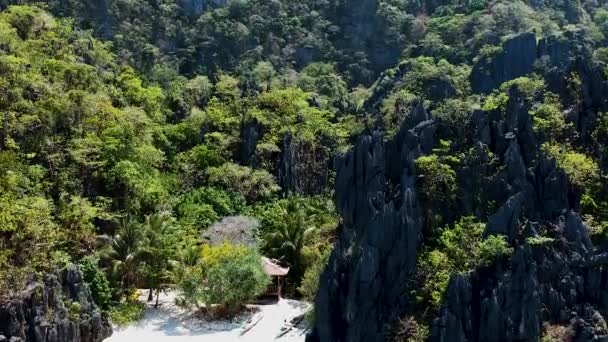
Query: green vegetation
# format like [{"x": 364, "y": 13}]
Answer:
[
  {"x": 127, "y": 312},
  {"x": 460, "y": 248},
  {"x": 539, "y": 240},
  {"x": 227, "y": 274},
  {"x": 582, "y": 170},
  {"x": 410, "y": 330},
  {"x": 128, "y": 128}
]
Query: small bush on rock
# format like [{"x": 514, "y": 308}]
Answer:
[{"x": 460, "y": 248}]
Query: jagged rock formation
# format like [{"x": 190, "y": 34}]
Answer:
[
  {"x": 561, "y": 280},
  {"x": 302, "y": 168},
  {"x": 558, "y": 57},
  {"x": 365, "y": 282},
  {"x": 57, "y": 309},
  {"x": 516, "y": 59},
  {"x": 251, "y": 133}
]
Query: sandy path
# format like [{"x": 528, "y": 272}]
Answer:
[{"x": 171, "y": 323}]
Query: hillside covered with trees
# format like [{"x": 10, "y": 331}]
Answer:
[{"x": 427, "y": 169}]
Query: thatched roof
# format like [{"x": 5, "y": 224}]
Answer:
[
  {"x": 271, "y": 268},
  {"x": 239, "y": 230}
]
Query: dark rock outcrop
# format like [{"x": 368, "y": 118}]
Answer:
[
  {"x": 516, "y": 59},
  {"x": 302, "y": 168},
  {"x": 561, "y": 280},
  {"x": 558, "y": 58},
  {"x": 251, "y": 133},
  {"x": 555, "y": 282},
  {"x": 57, "y": 309},
  {"x": 365, "y": 283}
]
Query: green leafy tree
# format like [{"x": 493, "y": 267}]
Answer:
[
  {"x": 287, "y": 240},
  {"x": 97, "y": 281},
  {"x": 233, "y": 275},
  {"x": 156, "y": 251},
  {"x": 125, "y": 253},
  {"x": 460, "y": 248},
  {"x": 226, "y": 274},
  {"x": 437, "y": 186},
  {"x": 251, "y": 184}
]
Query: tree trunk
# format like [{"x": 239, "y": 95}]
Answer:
[
  {"x": 157, "y": 295},
  {"x": 150, "y": 295}
]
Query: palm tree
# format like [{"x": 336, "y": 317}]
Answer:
[
  {"x": 287, "y": 241},
  {"x": 124, "y": 252},
  {"x": 186, "y": 274},
  {"x": 156, "y": 252}
]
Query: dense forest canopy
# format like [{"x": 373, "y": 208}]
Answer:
[{"x": 128, "y": 127}]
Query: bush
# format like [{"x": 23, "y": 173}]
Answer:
[
  {"x": 233, "y": 275},
  {"x": 310, "y": 281},
  {"x": 229, "y": 275},
  {"x": 491, "y": 248},
  {"x": 251, "y": 184},
  {"x": 97, "y": 281},
  {"x": 410, "y": 330},
  {"x": 555, "y": 333},
  {"x": 582, "y": 170},
  {"x": 127, "y": 312},
  {"x": 460, "y": 249},
  {"x": 434, "y": 269},
  {"x": 539, "y": 240},
  {"x": 437, "y": 179}
]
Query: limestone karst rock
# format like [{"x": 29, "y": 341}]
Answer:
[{"x": 58, "y": 308}]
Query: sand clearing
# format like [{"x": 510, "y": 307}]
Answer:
[{"x": 171, "y": 323}]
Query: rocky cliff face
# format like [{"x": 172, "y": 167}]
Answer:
[
  {"x": 366, "y": 280},
  {"x": 57, "y": 309},
  {"x": 559, "y": 280},
  {"x": 555, "y": 57},
  {"x": 299, "y": 167},
  {"x": 515, "y": 59}
]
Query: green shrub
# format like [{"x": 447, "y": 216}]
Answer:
[
  {"x": 60, "y": 259},
  {"x": 437, "y": 179},
  {"x": 460, "y": 248},
  {"x": 582, "y": 171},
  {"x": 227, "y": 274},
  {"x": 310, "y": 281},
  {"x": 434, "y": 270},
  {"x": 549, "y": 119},
  {"x": 233, "y": 275},
  {"x": 97, "y": 281},
  {"x": 491, "y": 248},
  {"x": 410, "y": 330},
  {"x": 251, "y": 184},
  {"x": 539, "y": 240},
  {"x": 127, "y": 312}
]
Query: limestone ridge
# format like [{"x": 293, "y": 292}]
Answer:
[
  {"x": 564, "y": 281},
  {"x": 365, "y": 282},
  {"x": 561, "y": 282},
  {"x": 520, "y": 55},
  {"x": 58, "y": 309}
]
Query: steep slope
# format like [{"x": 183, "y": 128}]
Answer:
[
  {"x": 556, "y": 278},
  {"x": 366, "y": 279}
]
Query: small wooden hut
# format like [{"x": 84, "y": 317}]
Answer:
[{"x": 277, "y": 273}]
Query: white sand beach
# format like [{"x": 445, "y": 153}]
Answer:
[{"x": 172, "y": 323}]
